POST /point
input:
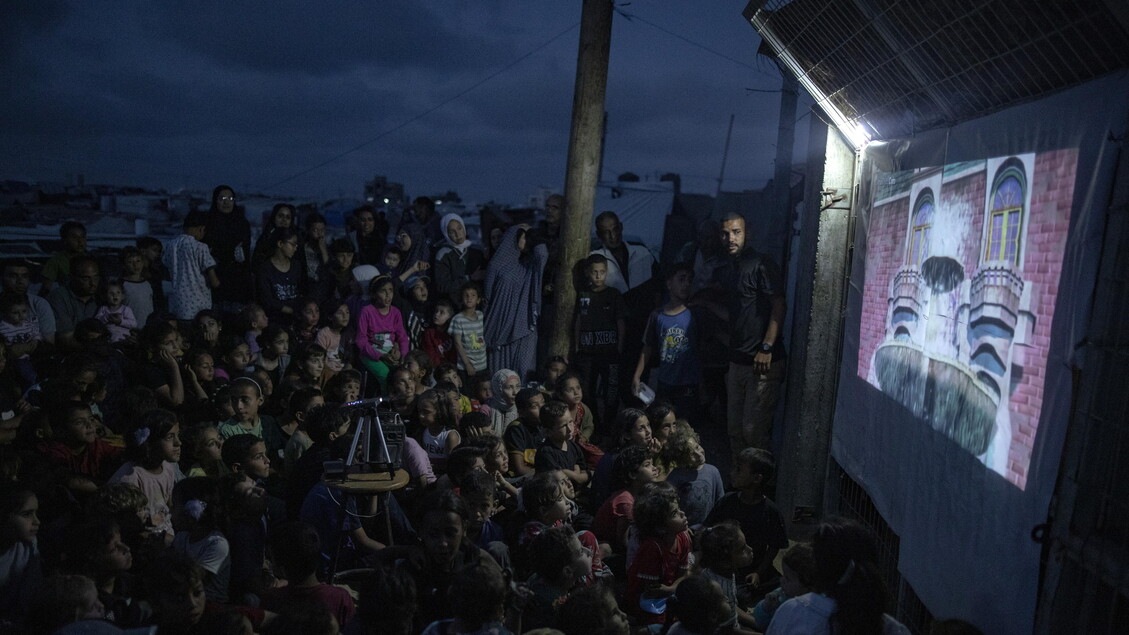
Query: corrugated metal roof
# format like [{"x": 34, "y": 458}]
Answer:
[{"x": 903, "y": 66}]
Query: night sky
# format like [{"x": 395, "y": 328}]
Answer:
[{"x": 470, "y": 96}]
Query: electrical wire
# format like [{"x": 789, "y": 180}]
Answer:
[{"x": 631, "y": 17}]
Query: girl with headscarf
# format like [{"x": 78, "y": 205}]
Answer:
[
  {"x": 504, "y": 385},
  {"x": 457, "y": 261},
  {"x": 513, "y": 291}
]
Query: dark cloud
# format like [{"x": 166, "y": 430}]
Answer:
[{"x": 188, "y": 94}]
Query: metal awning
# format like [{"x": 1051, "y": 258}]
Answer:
[{"x": 890, "y": 68}]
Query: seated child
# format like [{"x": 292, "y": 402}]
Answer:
[
  {"x": 724, "y": 553},
  {"x": 202, "y": 444},
  {"x": 663, "y": 558},
  {"x": 245, "y": 519},
  {"x": 559, "y": 562},
  {"x": 194, "y": 517},
  {"x": 297, "y": 556},
  {"x": 592, "y": 611},
  {"x": 114, "y": 313},
  {"x": 437, "y": 435},
  {"x": 77, "y": 448},
  {"x": 633, "y": 470},
  {"x": 246, "y": 398},
  {"x": 478, "y": 601},
  {"x": 701, "y": 608},
  {"x": 758, "y": 517},
  {"x": 524, "y": 436},
  {"x": 474, "y": 425},
  {"x": 64, "y": 599},
  {"x": 699, "y": 483},
  {"x": 558, "y": 451},
  {"x": 19, "y": 549},
  {"x": 797, "y": 578},
  {"x": 94, "y": 548}
]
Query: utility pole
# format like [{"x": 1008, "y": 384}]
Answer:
[{"x": 584, "y": 150}]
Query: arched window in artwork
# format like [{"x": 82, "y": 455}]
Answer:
[
  {"x": 1005, "y": 214},
  {"x": 922, "y": 224}
]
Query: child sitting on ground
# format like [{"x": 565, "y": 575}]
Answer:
[
  {"x": 524, "y": 436},
  {"x": 632, "y": 471},
  {"x": 797, "y": 578},
  {"x": 559, "y": 562},
  {"x": 724, "y": 553},
  {"x": 700, "y": 608},
  {"x": 558, "y": 451},
  {"x": 194, "y": 517},
  {"x": 114, "y": 313},
  {"x": 663, "y": 557},
  {"x": 699, "y": 483},
  {"x": 437, "y": 435},
  {"x": 297, "y": 556},
  {"x": 758, "y": 517},
  {"x": 592, "y": 611}
]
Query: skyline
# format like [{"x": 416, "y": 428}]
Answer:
[{"x": 177, "y": 98}]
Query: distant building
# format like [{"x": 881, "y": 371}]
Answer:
[{"x": 382, "y": 192}]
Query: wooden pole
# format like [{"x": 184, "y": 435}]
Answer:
[{"x": 583, "y": 161}]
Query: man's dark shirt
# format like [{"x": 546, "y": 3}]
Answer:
[{"x": 750, "y": 280}]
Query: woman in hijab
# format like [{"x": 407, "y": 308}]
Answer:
[
  {"x": 415, "y": 256},
  {"x": 513, "y": 290},
  {"x": 228, "y": 236},
  {"x": 457, "y": 261}
]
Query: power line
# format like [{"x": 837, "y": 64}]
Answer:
[
  {"x": 426, "y": 112},
  {"x": 629, "y": 17}
]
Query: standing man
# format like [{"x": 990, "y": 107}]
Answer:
[
  {"x": 55, "y": 271},
  {"x": 74, "y": 301},
  {"x": 756, "y": 361},
  {"x": 630, "y": 265}
]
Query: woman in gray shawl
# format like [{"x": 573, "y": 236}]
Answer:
[{"x": 513, "y": 291}]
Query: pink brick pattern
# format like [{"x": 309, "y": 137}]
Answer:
[{"x": 1046, "y": 226}]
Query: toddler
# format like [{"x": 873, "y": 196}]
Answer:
[
  {"x": 114, "y": 313},
  {"x": 255, "y": 320}
]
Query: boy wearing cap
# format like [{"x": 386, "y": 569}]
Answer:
[{"x": 192, "y": 269}]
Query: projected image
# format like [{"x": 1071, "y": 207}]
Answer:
[{"x": 962, "y": 271}]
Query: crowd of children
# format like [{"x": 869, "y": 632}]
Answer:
[{"x": 166, "y": 468}]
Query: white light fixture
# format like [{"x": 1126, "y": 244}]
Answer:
[{"x": 857, "y": 134}]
